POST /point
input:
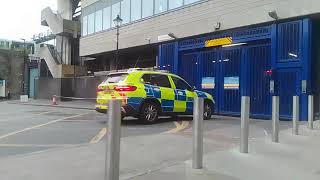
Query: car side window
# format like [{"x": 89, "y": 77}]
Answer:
[
  {"x": 181, "y": 84},
  {"x": 156, "y": 80}
]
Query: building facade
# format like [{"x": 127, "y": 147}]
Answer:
[{"x": 240, "y": 48}]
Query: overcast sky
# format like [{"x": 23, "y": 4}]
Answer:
[{"x": 21, "y": 18}]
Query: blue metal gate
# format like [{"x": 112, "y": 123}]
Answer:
[
  {"x": 287, "y": 86},
  {"x": 283, "y": 48},
  {"x": 259, "y": 62},
  {"x": 209, "y": 61},
  {"x": 190, "y": 68},
  {"x": 230, "y": 61},
  {"x": 224, "y": 66}
]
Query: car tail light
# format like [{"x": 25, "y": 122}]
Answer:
[
  {"x": 125, "y": 88},
  {"x": 99, "y": 89}
]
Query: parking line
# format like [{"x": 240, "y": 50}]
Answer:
[
  {"x": 179, "y": 127},
  {"x": 99, "y": 136},
  {"x": 43, "y": 113},
  {"x": 40, "y": 125},
  {"x": 38, "y": 145},
  {"x": 29, "y": 115}
]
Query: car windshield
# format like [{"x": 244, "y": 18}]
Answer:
[{"x": 115, "y": 78}]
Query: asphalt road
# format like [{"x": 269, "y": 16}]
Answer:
[{"x": 27, "y": 129}]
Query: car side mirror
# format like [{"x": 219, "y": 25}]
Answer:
[{"x": 193, "y": 88}]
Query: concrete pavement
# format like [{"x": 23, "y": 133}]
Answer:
[
  {"x": 75, "y": 104},
  {"x": 26, "y": 128},
  {"x": 167, "y": 156}
]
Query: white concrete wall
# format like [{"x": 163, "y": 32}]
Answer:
[
  {"x": 85, "y": 3},
  {"x": 195, "y": 20},
  {"x": 64, "y": 8}
]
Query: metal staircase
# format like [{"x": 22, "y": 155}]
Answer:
[{"x": 55, "y": 54}]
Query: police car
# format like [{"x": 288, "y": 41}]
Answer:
[{"x": 148, "y": 94}]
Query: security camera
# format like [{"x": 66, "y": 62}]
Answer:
[{"x": 273, "y": 15}]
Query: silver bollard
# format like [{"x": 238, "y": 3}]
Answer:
[
  {"x": 197, "y": 158},
  {"x": 113, "y": 140},
  {"x": 245, "y": 119},
  {"x": 275, "y": 119},
  {"x": 310, "y": 111},
  {"x": 295, "y": 115}
]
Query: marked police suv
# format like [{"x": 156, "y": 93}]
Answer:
[{"x": 148, "y": 94}]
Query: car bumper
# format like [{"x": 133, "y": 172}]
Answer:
[{"x": 126, "y": 110}]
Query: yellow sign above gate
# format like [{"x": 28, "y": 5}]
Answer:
[{"x": 218, "y": 42}]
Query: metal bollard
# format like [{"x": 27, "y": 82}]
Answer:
[
  {"x": 245, "y": 119},
  {"x": 295, "y": 115},
  {"x": 113, "y": 141},
  {"x": 197, "y": 158},
  {"x": 275, "y": 119},
  {"x": 310, "y": 111}
]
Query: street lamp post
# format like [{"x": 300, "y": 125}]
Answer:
[
  {"x": 117, "y": 22},
  {"x": 24, "y": 66}
]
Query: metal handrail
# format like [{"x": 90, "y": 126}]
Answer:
[{"x": 55, "y": 54}]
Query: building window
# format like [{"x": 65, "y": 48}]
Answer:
[
  {"x": 147, "y": 8},
  {"x": 135, "y": 10},
  {"x": 85, "y": 25},
  {"x": 189, "y": 1},
  {"x": 107, "y": 18},
  {"x": 98, "y": 21},
  {"x": 125, "y": 11},
  {"x": 129, "y": 10},
  {"x": 91, "y": 23},
  {"x": 175, "y": 4},
  {"x": 160, "y": 6},
  {"x": 115, "y": 9}
]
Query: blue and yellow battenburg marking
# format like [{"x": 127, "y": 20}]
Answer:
[{"x": 171, "y": 100}]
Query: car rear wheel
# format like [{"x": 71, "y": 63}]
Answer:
[
  {"x": 149, "y": 113},
  {"x": 207, "y": 111}
]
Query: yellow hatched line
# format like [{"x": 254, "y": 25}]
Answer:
[
  {"x": 99, "y": 136},
  {"x": 179, "y": 127}
]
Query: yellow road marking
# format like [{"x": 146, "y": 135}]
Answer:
[
  {"x": 177, "y": 124},
  {"x": 99, "y": 136},
  {"x": 40, "y": 125},
  {"x": 179, "y": 127}
]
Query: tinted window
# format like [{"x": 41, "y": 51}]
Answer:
[
  {"x": 175, "y": 3},
  {"x": 91, "y": 23},
  {"x": 115, "y": 9},
  {"x": 135, "y": 10},
  {"x": 160, "y": 6},
  {"x": 85, "y": 26},
  {"x": 115, "y": 78},
  {"x": 190, "y": 1},
  {"x": 147, "y": 8},
  {"x": 107, "y": 18},
  {"x": 156, "y": 80},
  {"x": 98, "y": 21},
  {"x": 181, "y": 84},
  {"x": 125, "y": 11}
]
